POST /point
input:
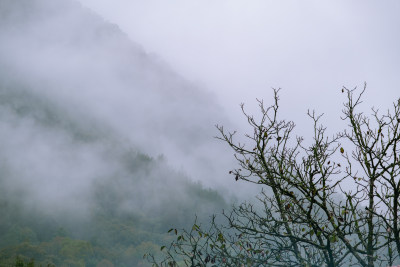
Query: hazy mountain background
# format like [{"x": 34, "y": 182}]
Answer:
[{"x": 103, "y": 146}]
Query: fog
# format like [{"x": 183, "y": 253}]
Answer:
[
  {"x": 157, "y": 77},
  {"x": 87, "y": 66},
  {"x": 90, "y": 124},
  {"x": 111, "y": 106},
  {"x": 240, "y": 49}
]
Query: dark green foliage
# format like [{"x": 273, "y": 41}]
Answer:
[
  {"x": 109, "y": 239},
  {"x": 114, "y": 240}
]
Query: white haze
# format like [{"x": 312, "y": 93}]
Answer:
[
  {"x": 175, "y": 70},
  {"x": 78, "y": 97},
  {"x": 240, "y": 49}
]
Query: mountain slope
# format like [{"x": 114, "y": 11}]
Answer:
[
  {"x": 60, "y": 171},
  {"x": 74, "y": 57},
  {"x": 81, "y": 109}
]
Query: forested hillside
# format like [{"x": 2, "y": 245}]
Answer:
[
  {"x": 99, "y": 141},
  {"x": 93, "y": 198}
]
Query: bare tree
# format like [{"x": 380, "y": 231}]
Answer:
[{"x": 333, "y": 202}]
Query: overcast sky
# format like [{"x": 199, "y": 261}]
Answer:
[
  {"x": 241, "y": 49},
  {"x": 237, "y": 50}
]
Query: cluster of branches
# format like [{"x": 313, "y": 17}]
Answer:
[{"x": 334, "y": 202}]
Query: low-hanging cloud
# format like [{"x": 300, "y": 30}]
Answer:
[
  {"x": 80, "y": 105},
  {"x": 75, "y": 58}
]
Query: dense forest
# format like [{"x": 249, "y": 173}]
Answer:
[{"x": 103, "y": 240}]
